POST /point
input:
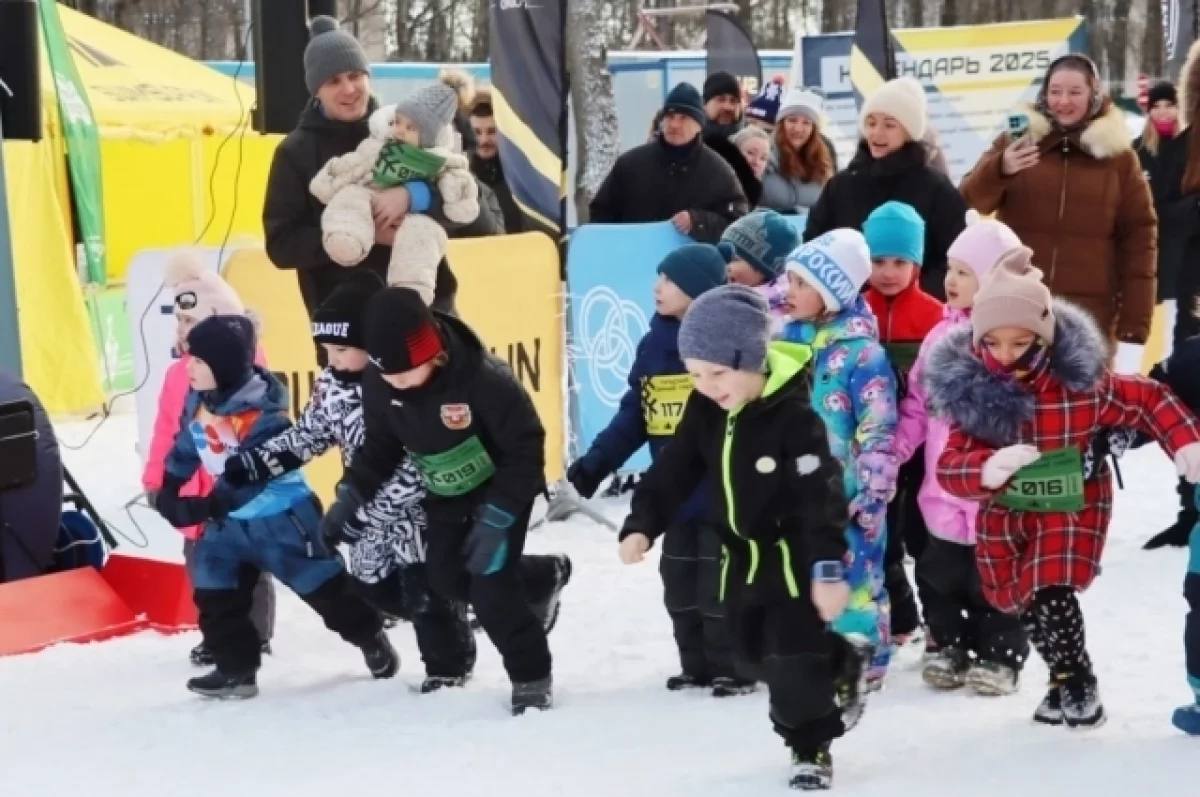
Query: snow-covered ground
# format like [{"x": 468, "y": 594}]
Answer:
[{"x": 114, "y": 718}]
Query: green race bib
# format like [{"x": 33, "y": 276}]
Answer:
[
  {"x": 401, "y": 163},
  {"x": 1054, "y": 483},
  {"x": 663, "y": 400},
  {"x": 457, "y": 471}
]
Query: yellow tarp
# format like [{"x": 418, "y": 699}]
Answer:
[{"x": 162, "y": 119}]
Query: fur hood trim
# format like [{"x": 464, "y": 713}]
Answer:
[
  {"x": 1104, "y": 137},
  {"x": 991, "y": 407}
]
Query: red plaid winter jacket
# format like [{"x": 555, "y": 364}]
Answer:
[{"x": 1065, "y": 402}]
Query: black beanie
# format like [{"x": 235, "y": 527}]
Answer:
[
  {"x": 401, "y": 333},
  {"x": 226, "y": 345},
  {"x": 1163, "y": 90},
  {"x": 719, "y": 84},
  {"x": 341, "y": 318}
]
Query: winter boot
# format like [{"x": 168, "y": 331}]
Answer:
[
  {"x": 222, "y": 686},
  {"x": 850, "y": 681},
  {"x": 1081, "y": 706},
  {"x": 1050, "y": 711},
  {"x": 728, "y": 686},
  {"x": 812, "y": 770},
  {"x": 531, "y": 694},
  {"x": 1187, "y": 719},
  {"x": 677, "y": 683},
  {"x": 946, "y": 669},
  {"x": 433, "y": 683},
  {"x": 992, "y": 678},
  {"x": 382, "y": 659},
  {"x": 201, "y": 656},
  {"x": 547, "y": 610},
  {"x": 1177, "y": 534}
]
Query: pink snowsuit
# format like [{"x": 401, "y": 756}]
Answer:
[{"x": 948, "y": 518}]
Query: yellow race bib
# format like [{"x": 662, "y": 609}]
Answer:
[{"x": 663, "y": 399}]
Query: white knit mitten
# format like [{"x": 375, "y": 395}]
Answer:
[{"x": 1001, "y": 466}]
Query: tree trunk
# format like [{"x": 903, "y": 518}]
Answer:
[{"x": 592, "y": 100}]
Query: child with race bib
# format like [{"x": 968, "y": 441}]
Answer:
[
  {"x": 749, "y": 430},
  {"x": 650, "y": 411},
  {"x": 854, "y": 392},
  {"x": 971, "y": 643},
  {"x": 1026, "y": 389},
  {"x": 435, "y": 394}
]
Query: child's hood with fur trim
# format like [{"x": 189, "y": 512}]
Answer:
[{"x": 991, "y": 407}]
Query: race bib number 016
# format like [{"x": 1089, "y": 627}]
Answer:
[
  {"x": 457, "y": 471},
  {"x": 1054, "y": 483},
  {"x": 663, "y": 400}
]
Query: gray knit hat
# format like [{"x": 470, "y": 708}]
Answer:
[
  {"x": 431, "y": 108},
  {"x": 330, "y": 51},
  {"x": 728, "y": 326}
]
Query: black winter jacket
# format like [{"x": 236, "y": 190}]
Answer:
[
  {"x": 292, "y": 215},
  {"x": 751, "y": 185},
  {"x": 472, "y": 432},
  {"x": 646, "y": 185},
  {"x": 491, "y": 173},
  {"x": 905, "y": 177},
  {"x": 1178, "y": 218},
  {"x": 776, "y": 487}
]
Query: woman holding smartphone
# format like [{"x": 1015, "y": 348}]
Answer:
[{"x": 1071, "y": 187}]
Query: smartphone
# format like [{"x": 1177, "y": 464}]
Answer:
[{"x": 1018, "y": 125}]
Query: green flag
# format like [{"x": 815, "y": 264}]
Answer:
[{"x": 83, "y": 142}]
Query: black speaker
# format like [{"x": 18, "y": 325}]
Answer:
[
  {"x": 280, "y": 34},
  {"x": 20, "y": 94}
]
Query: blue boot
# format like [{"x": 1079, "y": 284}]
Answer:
[{"x": 1187, "y": 719}]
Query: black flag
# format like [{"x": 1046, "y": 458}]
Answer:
[
  {"x": 730, "y": 49},
  {"x": 872, "y": 57},
  {"x": 529, "y": 95}
]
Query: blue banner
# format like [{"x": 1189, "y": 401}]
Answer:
[{"x": 611, "y": 270}]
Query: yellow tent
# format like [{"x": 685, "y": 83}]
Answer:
[{"x": 162, "y": 120}]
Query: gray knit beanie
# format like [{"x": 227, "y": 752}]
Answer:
[
  {"x": 728, "y": 326},
  {"x": 431, "y": 108},
  {"x": 330, "y": 51}
]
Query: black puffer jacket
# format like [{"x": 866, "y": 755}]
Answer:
[
  {"x": 646, "y": 184},
  {"x": 473, "y": 401},
  {"x": 292, "y": 215},
  {"x": 1178, "y": 217},
  {"x": 751, "y": 185},
  {"x": 776, "y": 486},
  {"x": 903, "y": 176},
  {"x": 490, "y": 173}
]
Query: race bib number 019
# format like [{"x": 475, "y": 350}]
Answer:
[
  {"x": 663, "y": 400},
  {"x": 1054, "y": 483},
  {"x": 457, "y": 471}
]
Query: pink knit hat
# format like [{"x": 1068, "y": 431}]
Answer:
[
  {"x": 198, "y": 290},
  {"x": 982, "y": 243}
]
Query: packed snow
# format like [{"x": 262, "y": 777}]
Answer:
[{"x": 114, "y": 717}]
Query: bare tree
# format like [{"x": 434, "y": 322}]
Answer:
[{"x": 592, "y": 101}]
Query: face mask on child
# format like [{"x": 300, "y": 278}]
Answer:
[{"x": 1024, "y": 365}]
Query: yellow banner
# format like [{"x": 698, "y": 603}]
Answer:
[{"x": 509, "y": 292}]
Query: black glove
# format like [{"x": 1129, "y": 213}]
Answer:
[
  {"x": 184, "y": 512},
  {"x": 583, "y": 479},
  {"x": 486, "y": 547},
  {"x": 338, "y": 525},
  {"x": 255, "y": 466}
]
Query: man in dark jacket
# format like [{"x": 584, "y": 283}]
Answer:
[
  {"x": 675, "y": 177},
  {"x": 485, "y": 161},
  {"x": 334, "y": 123}
]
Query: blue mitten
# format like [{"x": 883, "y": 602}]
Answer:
[{"x": 486, "y": 548}]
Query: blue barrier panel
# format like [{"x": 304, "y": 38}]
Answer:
[{"x": 610, "y": 282}]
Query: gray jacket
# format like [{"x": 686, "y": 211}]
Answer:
[{"x": 786, "y": 194}]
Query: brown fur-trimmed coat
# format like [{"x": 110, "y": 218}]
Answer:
[{"x": 1086, "y": 211}]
